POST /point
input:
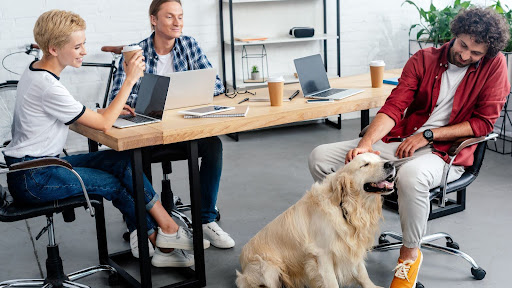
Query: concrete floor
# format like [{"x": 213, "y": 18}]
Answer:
[{"x": 264, "y": 174}]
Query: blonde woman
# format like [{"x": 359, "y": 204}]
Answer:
[{"x": 43, "y": 112}]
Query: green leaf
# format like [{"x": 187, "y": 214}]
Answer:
[{"x": 420, "y": 33}]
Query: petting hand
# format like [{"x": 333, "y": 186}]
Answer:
[
  {"x": 135, "y": 67},
  {"x": 359, "y": 150},
  {"x": 127, "y": 110},
  {"x": 410, "y": 145}
]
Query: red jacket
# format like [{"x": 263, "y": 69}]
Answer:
[{"x": 479, "y": 98}]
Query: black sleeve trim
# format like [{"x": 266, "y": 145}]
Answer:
[{"x": 76, "y": 118}]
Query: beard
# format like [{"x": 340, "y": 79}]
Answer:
[{"x": 456, "y": 60}]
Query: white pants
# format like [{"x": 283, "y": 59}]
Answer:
[{"x": 415, "y": 177}]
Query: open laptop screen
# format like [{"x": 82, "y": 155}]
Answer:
[
  {"x": 152, "y": 95},
  {"x": 312, "y": 75}
]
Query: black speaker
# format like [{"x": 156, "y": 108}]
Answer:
[{"x": 302, "y": 32}]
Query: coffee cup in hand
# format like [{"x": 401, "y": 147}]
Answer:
[
  {"x": 129, "y": 52},
  {"x": 275, "y": 90},
  {"x": 377, "y": 72}
]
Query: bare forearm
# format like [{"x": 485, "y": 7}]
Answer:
[
  {"x": 380, "y": 127},
  {"x": 453, "y": 132}
]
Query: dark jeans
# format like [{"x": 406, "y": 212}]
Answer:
[
  {"x": 106, "y": 173},
  {"x": 210, "y": 151}
]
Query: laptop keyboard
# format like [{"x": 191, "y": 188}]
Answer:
[
  {"x": 136, "y": 118},
  {"x": 328, "y": 93}
]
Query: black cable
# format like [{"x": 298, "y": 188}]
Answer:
[{"x": 8, "y": 55}]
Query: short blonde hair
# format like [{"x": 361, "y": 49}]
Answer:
[{"x": 53, "y": 28}]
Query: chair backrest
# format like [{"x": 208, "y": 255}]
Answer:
[{"x": 478, "y": 158}]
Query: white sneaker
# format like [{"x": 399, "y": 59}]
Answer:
[
  {"x": 182, "y": 239},
  {"x": 217, "y": 236},
  {"x": 134, "y": 245},
  {"x": 176, "y": 258}
]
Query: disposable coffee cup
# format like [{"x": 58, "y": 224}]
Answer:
[
  {"x": 129, "y": 52},
  {"x": 275, "y": 90},
  {"x": 377, "y": 72}
]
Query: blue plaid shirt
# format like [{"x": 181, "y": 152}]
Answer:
[{"x": 186, "y": 53}]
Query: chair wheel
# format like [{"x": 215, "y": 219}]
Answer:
[
  {"x": 383, "y": 240},
  {"x": 113, "y": 279},
  {"x": 126, "y": 236},
  {"x": 453, "y": 245},
  {"x": 478, "y": 273},
  {"x": 419, "y": 285}
]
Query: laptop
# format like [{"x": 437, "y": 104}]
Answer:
[
  {"x": 313, "y": 80},
  {"x": 191, "y": 88},
  {"x": 150, "y": 104}
]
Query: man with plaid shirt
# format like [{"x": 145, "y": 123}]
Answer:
[{"x": 167, "y": 51}]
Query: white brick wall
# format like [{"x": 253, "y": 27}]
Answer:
[{"x": 370, "y": 29}]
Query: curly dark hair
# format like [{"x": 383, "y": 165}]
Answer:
[{"x": 485, "y": 25}]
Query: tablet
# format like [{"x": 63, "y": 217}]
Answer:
[{"x": 206, "y": 110}]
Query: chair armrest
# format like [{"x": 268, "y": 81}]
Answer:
[
  {"x": 47, "y": 162},
  {"x": 467, "y": 141},
  {"x": 39, "y": 163}
]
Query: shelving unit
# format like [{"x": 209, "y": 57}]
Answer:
[{"x": 272, "y": 40}]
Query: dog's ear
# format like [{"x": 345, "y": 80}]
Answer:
[{"x": 340, "y": 186}]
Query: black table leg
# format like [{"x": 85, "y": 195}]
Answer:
[
  {"x": 195, "y": 199},
  {"x": 140, "y": 214},
  {"x": 93, "y": 145},
  {"x": 365, "y": 118}
]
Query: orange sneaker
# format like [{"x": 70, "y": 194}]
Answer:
[{"x": 406, "y": 272}]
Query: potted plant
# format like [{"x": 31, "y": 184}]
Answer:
[
  {"x": 255, "y": 73},
  {"x": 435, "y": 23}
]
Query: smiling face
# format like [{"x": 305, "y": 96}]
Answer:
[
  {"x": 71, "y": 53},
  {"x": 371, "y": 174},
  {"x": 168, "y": 22},
  {"x": 466, "y": 51}
]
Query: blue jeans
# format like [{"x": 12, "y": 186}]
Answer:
[
  {"x": 210, "y": 151},
  {"x": 105, "y": 173}
]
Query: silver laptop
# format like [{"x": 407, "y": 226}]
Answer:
[
  {"x": 190, "y": 88},
  {"x": 313, "y": 80},
  {"x": 150, "y": 104}
]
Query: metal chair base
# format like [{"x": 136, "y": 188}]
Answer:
[
  {"x": 66, "y": 283},
  {"x": 450, "y": 248}
]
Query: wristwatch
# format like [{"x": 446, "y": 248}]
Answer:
[{"x": 429, "y": 135}]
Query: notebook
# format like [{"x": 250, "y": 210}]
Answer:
[
  {"x": 392, "y": 81},
  {"x": 313, "y": 80},
  {"x": 239, "y": 111},
  {"x": 150, "y": 104},
  {"x": 190, "y": 88}
]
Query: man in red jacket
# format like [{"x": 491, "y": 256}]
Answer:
[{"x": 443, "y": 94}]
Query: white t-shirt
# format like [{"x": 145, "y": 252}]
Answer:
[
  {"x": 450, "y": 81},
  {"x": 165, "y": 64},
  {"x": 44, "y": 109}
]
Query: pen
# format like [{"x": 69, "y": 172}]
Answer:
[
  {"x": 294, "y": 94},
  {"x": 245, "y": 99}
]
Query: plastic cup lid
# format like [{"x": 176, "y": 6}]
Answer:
[
  {"x": 131, "y": 48},
  {"x": 377, "y": 63},
  {"x": 275, "y": 79}
]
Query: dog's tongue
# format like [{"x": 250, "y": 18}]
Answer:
[{"x": 385, "y": 185}]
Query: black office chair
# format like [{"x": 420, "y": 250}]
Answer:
[
  {"x": 11, "y": 211},
  {"x": 438, "y": 197}
]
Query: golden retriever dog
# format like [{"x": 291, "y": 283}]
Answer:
[{"x": 322, "y": 240}]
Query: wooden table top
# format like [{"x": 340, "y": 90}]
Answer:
[{"x": 174, "y": 128}]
